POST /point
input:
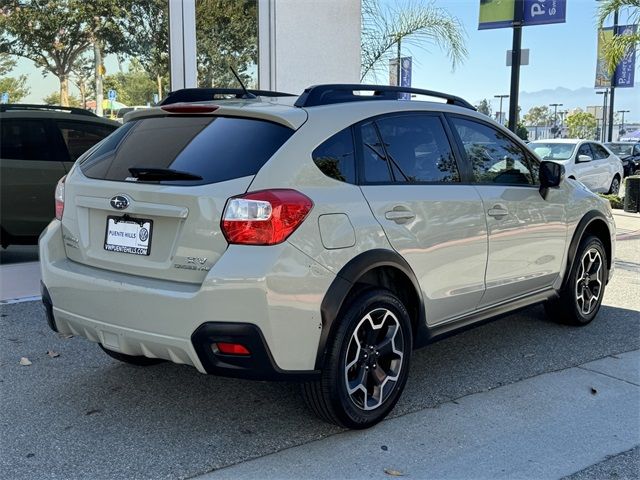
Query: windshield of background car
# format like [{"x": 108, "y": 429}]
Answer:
[
  {"x": 214, "y": 148},
  {"x": 553, "y": 151},
  {"x": 620, "y": 149}
]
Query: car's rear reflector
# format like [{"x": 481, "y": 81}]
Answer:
[
  {"x": 231, "y": 349},
  {"x": 189, "y": 108}
]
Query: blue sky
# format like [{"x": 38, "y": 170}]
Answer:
[{"x": 562, "y": 55}]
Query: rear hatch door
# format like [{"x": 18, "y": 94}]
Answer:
[{"x": 148, "y": 200}]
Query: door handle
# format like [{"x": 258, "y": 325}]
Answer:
[
  {"x": 399, "y": 216},
  {"x": 498, "y": 211}
]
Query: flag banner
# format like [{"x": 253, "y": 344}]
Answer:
[
  {"x": 603, "y": 78},
  {"x": 624, "y": 74},
  {"x": 544, "y": 12},
  {"x": 405, "y": 74},
  {"x": 500, "y": 13},
  {"x": 496, "y": 14}
]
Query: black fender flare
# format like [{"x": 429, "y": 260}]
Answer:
[
  {"x": 590, "y": 217},
  {"x": 345, "y": 280}
]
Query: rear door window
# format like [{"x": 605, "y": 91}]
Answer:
[
  {"x": 25, "y": 139},
  {"x": 599, "y": 153},
  {"x": 375, "y": 168},
  {"x": 418, "y": 149},
  {"x": 214, "y": 148},
  {"x": 81, "y": 136}
]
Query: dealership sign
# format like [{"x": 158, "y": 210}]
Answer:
[
  {"x": 623, "y": 76},
  {"x": 501, "y": 13}
]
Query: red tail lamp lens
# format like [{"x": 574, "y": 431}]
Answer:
[{"x": 265, "y": 217}]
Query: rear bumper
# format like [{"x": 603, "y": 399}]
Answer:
[{"x": 269, "y": 298}]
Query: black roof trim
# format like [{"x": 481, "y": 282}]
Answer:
[
  {"x": 26, "y": 106},
  {"x": 341, "y": 93},
  {"x": 208, "y": 94}
]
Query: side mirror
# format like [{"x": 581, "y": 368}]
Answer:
[
  {"x": 584, "y": 158},
  {"x": 551, "y": 175}
]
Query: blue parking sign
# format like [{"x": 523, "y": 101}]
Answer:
[
  {"x": 5, "y": 97},
  {"x": 112, "y": 95}
]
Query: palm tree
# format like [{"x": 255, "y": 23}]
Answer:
[
  {"x": 411, "y": 22},
  {"x": 618, "y": 47}
]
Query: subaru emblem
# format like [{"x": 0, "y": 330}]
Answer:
[{"x": 119, "y": 202}]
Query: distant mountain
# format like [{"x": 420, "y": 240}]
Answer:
[{"x": 625, "y": 99}]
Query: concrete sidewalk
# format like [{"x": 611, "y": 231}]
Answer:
[{"x": 548, "y": 426}]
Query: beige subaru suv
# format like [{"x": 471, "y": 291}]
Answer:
[{"x": 318, "y": 238}]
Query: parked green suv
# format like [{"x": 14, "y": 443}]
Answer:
[{"x": 38, "y": 145}]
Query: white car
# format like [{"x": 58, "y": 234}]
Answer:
[
  {"x": 318, "y": 238},
  {"x": 584, "y": 160}
]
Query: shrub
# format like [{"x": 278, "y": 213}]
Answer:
[{"x": 614, "y": 200}]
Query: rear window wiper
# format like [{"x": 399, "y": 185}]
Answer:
[{"x": 159, "y": 174}]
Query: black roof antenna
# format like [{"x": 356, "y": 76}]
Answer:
[{"x": 247, "y": 93}]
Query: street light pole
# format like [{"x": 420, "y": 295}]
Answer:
[
  {"x": 604, "y": 93},
  {"x": 622, "y": 132},
  {"x": 500, "y": 112},
  {"x": 555, "y": 115},
  {"x": 398, "y": 69},
  {"x": 613, "y": 82},
  {"x": 516, "y": 58}
]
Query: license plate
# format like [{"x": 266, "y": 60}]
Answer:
[{"x": 128, "y": 235}]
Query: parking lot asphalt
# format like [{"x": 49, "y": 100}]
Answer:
[{"x": 83, "y": 415}]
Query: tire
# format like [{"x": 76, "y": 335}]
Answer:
[
  {"x": 139, "y": 361},
  {"x": 581, "y": 297},
  {"x": 615, "y": 186},
  {"x": 346, "y": 392}
]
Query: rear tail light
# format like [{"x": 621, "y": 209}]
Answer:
[
  {"x": 266, "y": 217},
  {"x": 59, "y": 196}
]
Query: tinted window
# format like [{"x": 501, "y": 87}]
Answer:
[
  {"x": 374, "y": 163},
  {"x": 495, "y": 158},
  {"x": 24, "y": 139},
  {"x": 215, "y": 148},
  {"x": 80, "y": 137},
  {"x": 584, "y": 149},
  {"x": 636, "y": 150},
  {"x": 599, "y": 153},
  {"x": 418, "y": 148},
  {"x": 335, "y": 157}
]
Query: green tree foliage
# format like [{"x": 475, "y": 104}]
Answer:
[
  {"x": 227, "y": 35},
  {"x": 618, "y": 47},
  {"x": 146, "y": 37},
  {"x": 134, "y": 87},
  {"x": 484, "y": 107},
  {"x": 538, "y": 116},
  {"x": 16, "y": 87},
  {"x": 52, "y": 34},
  {"x": 522, "y": 132},
  {"x": 54, "y": 99},
  {"x": 415, "y": 24},
  {"x": 581, "y": 125}
]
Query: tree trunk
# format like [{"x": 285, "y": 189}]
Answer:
[
  {"x": 97, "y": 55},
  {"x": 83, "y": 93},
  {"x": 64, "y": 90}
]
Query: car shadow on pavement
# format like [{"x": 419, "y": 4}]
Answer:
[{"x": 83, "y": 414}]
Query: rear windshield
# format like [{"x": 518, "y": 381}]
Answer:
[{"x": 214, "y": 148}]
